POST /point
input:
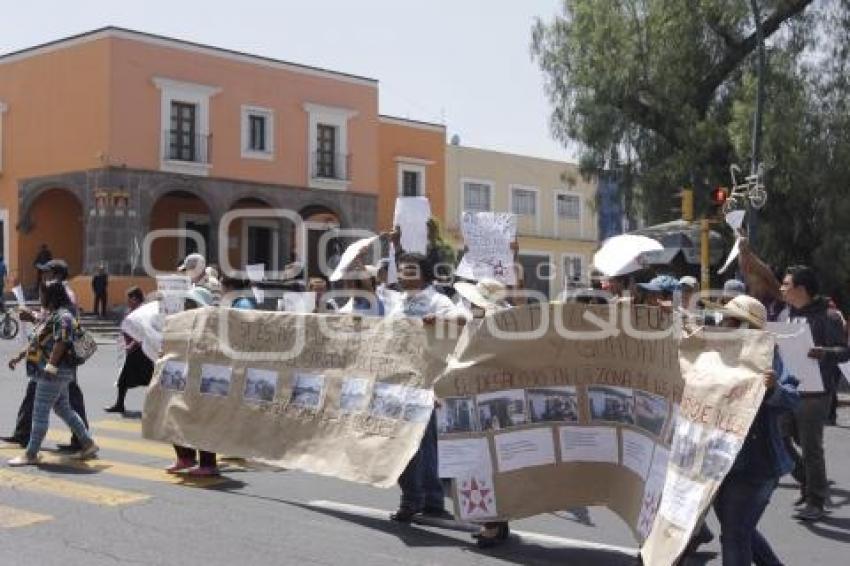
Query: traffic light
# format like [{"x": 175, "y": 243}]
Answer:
[
  {"x": 719, "y": 196},
  {"x": 686, "y": 207}
]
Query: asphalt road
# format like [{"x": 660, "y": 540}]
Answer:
[{"x": 122, "y": 509}]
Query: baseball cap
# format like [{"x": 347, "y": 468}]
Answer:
[{"x": 661, "y": 284}]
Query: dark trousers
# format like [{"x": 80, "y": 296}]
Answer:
[
  {"x": 204, "y": 459},
  {"x": 807, "y": 431},
  {"x": 100, "y": 301},
  {"x": 739, "y": 505},
  {"x": 420, "y": 481},
  {"x": 23, "y": 426}
]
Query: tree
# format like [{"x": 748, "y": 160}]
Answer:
[{"x": 646, "y": 87}]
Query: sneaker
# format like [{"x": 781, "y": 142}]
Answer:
[
  {"x": 24, "y": 460},
  {"x": 810, "y": 513},
  {"x": 114, "y": 409},
  {"x": 69, "y": 448},
  {"x": 88, "y": 452},
  {"x": 180, "y": 465},
  {"x": 14, "y": 440},
  {"x": 404, "y": 514},
  {"x": 204, "y": 472}
]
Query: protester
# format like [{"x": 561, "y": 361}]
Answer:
[
  {"x": 800, "y": 289},
  {"x": 660, "y": 290},
  {"x": 194, "y": 266},
  {"x": 41, "y": 258},
  {"x": 689, "y": 287},
  {"x": 100, "y": 288},
  {"x": 233, "y": 285},
  {"x": 55, "y": 373},
  {"x": 319, "y": 286},
  {"x": 138, "y": 368},
  {"x": 200, "y": 463},
  {"x": 54, "y": 270},
  {"x": 746, "y": 490},
  {"x": 421, "y": 489},
  {"x": 440, "y": 258}
]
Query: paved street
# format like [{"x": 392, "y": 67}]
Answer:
[{"x": 122, "y": 509}]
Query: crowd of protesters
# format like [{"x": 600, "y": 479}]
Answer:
[{"x": 787, "y": 435}]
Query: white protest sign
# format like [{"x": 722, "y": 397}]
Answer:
[
  {"x": 392, "y": 268},
  {"x": 735, "y": 220},
  {"x": 794, "y": 341},
  {"x": 411, "y": 215},
  {"x": 297, "y": 302},
  {"x": 488, "y": 237},
  {"x": 173, "y": 289},
  {"x": 256, "y": 273},
  {"x": 19, "y": 295}
]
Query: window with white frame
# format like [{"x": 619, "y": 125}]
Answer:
[
  {"x": 327, "y": 145},
  {"x": 257, "y": 132},
  {"x": 573, "y": 270},
  {"x": 524, "y": 202},
  {"x": 476, "y": 197},
  {"x": 411, "y": 180},
  {"x": 568, "y": 206}
]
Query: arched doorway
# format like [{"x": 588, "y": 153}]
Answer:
[
  {"x": 54, "y": 219},
  {"x": 318, "y": 220},
  {"x": 258, "y": 238},
  {"x": 178, "y": 210}
]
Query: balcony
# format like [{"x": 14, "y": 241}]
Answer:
[
  {"x": 325, "y": 166},
  {"x": 184, "y": 153}
]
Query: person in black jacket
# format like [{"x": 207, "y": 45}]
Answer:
[
  {"x": 800, "y": 292},
  {"x": 100, "y": 286}
]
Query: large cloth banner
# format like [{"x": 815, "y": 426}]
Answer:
[
  {"x": 351, "y": 400},
  {"x": 634, "y": 419},
  {"x": 488, "y": 237}
]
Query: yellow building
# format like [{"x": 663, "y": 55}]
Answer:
[{"x": 555, "y": 207}]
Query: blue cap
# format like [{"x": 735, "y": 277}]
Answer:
[
  {"x": 661, "y": 284},
  {"x": 733, "y": 287}
]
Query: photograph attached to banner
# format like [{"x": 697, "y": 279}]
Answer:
[
  {"x": 418, "y": 405},
  {"x": 457, "y": 415},
  {"x": 307, "y": 390},
  {"x": 387, "y": 401},
  {"x": 651, "y": 412},
  {"x": 553, "y": 404},
  {"x": 611, "y": 404},
  {"x": 260, "y": 385},
  {"x": 174, "y": 375},
  {"x": 354, "y": 394},
  {"x": 502, "y": 409},
  {"x": 215, "y": 380}
]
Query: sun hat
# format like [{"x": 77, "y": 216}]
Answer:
[
  {"x": 486, "y": 293},
  {"x": 748, "y": 309}
]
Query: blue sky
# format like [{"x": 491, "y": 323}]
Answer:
[{"x": 464, "y": 62}]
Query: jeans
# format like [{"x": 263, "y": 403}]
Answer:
[
  {"x": 420, "y": 481},
  {"x": 51, "y": 392},
  {"x": 23, "y": 425},
  {"x": 739, "y": 505},
  {"x": 807, "y": 430}
]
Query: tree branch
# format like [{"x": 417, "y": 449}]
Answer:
[{"x": 738, "y": 51}]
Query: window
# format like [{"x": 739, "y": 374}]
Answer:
[
  {"x": 476, "y": 197},
  {"x": 410, "y": 183},
  {"x": 257, "y": 133},
  {"x": 524, "y": 202},
  {"x": 326, "y": 151},
  {"x": 573, "y": 270},
  {"x": 183, "y": 142},
  {"x": 569, "y": 207},
  {"x": 257, "y": 128}
]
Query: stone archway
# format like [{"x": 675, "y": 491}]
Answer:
[
  {"x": 53, "y": 217},
  {"x": 179, "y": 209}
]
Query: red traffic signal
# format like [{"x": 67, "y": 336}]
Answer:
[{"x": 719, "y": 196}]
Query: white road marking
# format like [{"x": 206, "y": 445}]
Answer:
[{"x": 538, "y": 538}]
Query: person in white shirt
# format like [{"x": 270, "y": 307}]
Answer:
[{"x": 421, "y": 489}]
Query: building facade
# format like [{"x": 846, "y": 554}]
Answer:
[
  {"x": 112, "y": 139},
  {"x": 557, "y": 228}
]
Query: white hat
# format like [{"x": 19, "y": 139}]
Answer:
[
  {"x": 486, "y": 294},
  {"x": 196, "y": 263},
  {"x": 748, "y": 309}
]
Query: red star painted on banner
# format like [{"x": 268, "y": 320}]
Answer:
[{"x": 476, "y": 496}]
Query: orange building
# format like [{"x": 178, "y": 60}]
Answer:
[{"x": 114, "y": 134}]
